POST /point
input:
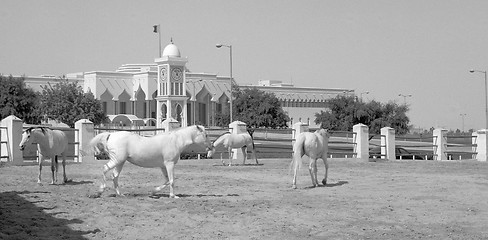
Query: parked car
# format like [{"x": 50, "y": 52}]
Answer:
[{"x": 399, "y": 152}]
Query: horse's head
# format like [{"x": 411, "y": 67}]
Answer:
[
  {"x": 28, "y": 134},
  {"x": 202, "y": 138},
  {"x": 25, "y": 138},
  {"x": 210, "y": 151}
]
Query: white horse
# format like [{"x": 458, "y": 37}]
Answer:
[
  {"x": 233, "y": 140},
  {"x": 51, "y": 144},
  {"x": 159, "y": 151},
  {"x": 314, "y": 145}
]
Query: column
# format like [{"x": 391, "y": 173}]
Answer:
[
  {"x": 440, "y": 144},
  {"x": 361, "y": 141},
  {"x": 388, "y": 141},
  {"x": 237, "y": 127},
  {"x": 481, "y": 144},
  {"x": 14, "y": 137},
  {"x": 83, "y": 135}
]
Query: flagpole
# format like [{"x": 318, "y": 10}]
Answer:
[{"x": 159, "y": 31}]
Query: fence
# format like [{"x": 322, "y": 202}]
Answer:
[
  {"x": 4, "y": 151},
  {"x": 270, "y": 143}
]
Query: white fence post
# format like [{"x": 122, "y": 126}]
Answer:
[
  {"x": 14, "y": 136},
  {"x": 361, "y": 141},
  {"x": 237, "y": 127},
  {"x": 388, "y": 151},
  {"x": 481, "y": 145},
  {"x": 440, "y": 144},
  {"x": 170, "y": 124},
  {"x": 85, "y": 132}
]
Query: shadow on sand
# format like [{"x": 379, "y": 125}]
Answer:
[
  {"x": 22, "y": 219},
  {"x": 82, "y": 182},
  {"x": 239, "y": 165},
  {"x": 339, "y": 183}
]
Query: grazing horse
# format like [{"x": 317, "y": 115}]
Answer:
[
  {"x": 234, "y": 140},
  {"x": 314, "y": 145},
  {"x": 51, "y": 144},
  {"x": 159, "y": 151}
]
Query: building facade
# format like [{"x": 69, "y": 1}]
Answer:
[{"x": 166, "y": 89}]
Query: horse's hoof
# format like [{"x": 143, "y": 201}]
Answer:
[
  {"x": 173, "y": 196},
  {"x": 324, "y": 182},
  {"x": 294, "y": 187}
]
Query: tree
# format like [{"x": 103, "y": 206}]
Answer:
[
  {"x": 257, "y": 109},
  {"x": 17, "y": 99},
  {"x": 344, "y": 112},
  {"x": 66, "y": 102}
]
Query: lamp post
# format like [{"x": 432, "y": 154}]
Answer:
[
  {"x": 230, "y": 51},
  {"x": 462, "y": 116},
  {"x": 405, "y": 97},
  {"x": 486, "y": 95}
]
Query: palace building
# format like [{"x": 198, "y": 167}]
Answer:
[{"x": 150, "y": 93}]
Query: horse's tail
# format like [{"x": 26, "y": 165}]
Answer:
[
  {"x": 98, "y": 145},
  {"x": 298, "y": 150}
]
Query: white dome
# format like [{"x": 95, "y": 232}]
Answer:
[{"x": 171, "y": 51}]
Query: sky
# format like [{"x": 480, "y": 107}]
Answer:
[{"x": 420, "y": 48}]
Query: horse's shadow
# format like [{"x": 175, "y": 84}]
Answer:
[
  {"x": 239, "y": 165},
  {"x": 339, "y": 183},
  {"x": 165, "y": 195},
  {"x": 71, "y": 182}
]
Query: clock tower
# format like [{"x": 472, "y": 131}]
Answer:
[{"x": 171, "y": 98}]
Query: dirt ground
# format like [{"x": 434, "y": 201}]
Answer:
[{"x": 362, "y": 200}]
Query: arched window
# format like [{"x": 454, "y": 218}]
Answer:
[
  {"x": 179, "y": 110},
  {"x": 164, "y": 112}
]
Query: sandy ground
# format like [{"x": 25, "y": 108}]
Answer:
[{"x": 363, "y": 200}]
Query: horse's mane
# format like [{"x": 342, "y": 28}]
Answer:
[
  {"x": 223, "y": 134},
  {"x": 43, "y": 129}
]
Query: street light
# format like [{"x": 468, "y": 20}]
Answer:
[
  {"x": 486, "y": 95},
  {"x": 405, "y": 97},
  {"x": 230, "y": 50},
  {"x": 462, "y": 116}
]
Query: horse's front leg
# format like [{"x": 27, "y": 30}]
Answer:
[
  {"x": 230, "y": 155},
  {"x": 166, "y": 181},
  {"x": 255, "y": 156},
  {"x": 41, "y": 158},
  {"x": 326, "y": 163},
  {"x": 295, "y": 164},
  {"x": 65, "y": 179},
  {"x": 244, "y": 154},
  {"x": 54, "y": 169},
  {"x": 170, "y": 169}
]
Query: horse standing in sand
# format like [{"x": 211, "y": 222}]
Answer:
[
  {"x": 51, "y": 144},
  {"x": 233, "y": 140},
  {"x": 315, "y": 146},
  {"x": 159, "y": 151}
]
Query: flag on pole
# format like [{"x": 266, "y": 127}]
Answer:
[{"x": 156, "y": 28}]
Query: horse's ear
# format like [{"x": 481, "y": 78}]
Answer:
[{"x": 200, "y": 128}]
